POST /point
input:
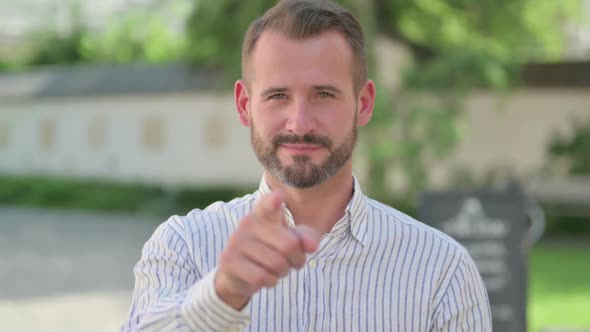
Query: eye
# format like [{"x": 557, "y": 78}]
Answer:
[
  {"x": 278, "y": 96},
  {"x": 324, "y": 94}
]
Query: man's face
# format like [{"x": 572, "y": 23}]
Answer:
[{"x": 302, "y": 107}]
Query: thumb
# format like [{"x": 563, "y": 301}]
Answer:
[{"x": 309, "y": 238}]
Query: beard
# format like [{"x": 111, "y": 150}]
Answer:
[{"x": 303, "y": 173}]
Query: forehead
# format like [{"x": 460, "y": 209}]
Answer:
[{"x": 326, "y": 58}]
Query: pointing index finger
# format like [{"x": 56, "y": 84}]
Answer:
[{"x": 270, "y": 208}]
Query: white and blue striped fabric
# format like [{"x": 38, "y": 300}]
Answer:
[{"x": 378, "y": 270}]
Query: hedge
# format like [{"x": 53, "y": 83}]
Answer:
[
  {"x": 100, "y": 195},
  {"x": 97, "y": 195}
]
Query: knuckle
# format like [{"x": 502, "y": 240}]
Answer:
[
  {"x": 258, "y": 281},
  {"x": 270, "y": 281},
  {"x": 227, "y": 263},
  {"x": 273, "y": 261},
  {"x": 248, "y": 288},
  {"x": 233, "y": 246},
  {"x": 285, "y": 270},
  {"x": 278, "y": 264},
  {"x": 231, "y": 243},
  {"x": 225, "y": 257}
]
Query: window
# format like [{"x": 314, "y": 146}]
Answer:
[
  {"x": 97, "y": 134},
  {"x": 47, "y": 134},
  {"x": 153, "y": 133},
  {"x": 4, "y": 135},
  {"x": 214, "y": 129}
]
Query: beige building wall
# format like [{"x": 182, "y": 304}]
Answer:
[
  {"x": 196, "y": 138},
  {"x": 513, "y": 132},
  {"x": 178, "y": 139}
]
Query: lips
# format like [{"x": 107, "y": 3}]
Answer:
[{"x": 301, "y": 148}]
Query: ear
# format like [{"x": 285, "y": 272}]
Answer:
[
  {"x": 242, "y": 102},
  {"x": 366, "y": 103}
]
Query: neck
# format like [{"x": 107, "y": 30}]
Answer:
[{"x": 320, "y": 206}]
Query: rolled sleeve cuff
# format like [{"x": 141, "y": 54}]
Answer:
[{"x": 204, "y": 310}]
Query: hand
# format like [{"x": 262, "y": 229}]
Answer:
[{"x": 261, "y": 251}]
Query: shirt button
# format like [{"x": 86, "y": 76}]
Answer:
[{"x": 313, "y": 263}]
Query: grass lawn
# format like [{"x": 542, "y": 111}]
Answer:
[{"x": 559, "y": 286}]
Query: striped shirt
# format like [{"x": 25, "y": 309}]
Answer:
[{"x": 377, "y": 270}]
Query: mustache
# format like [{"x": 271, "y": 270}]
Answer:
[{"x": 305, "y": 139}]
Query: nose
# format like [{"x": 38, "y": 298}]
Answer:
[{"x": 299, "y": 121}]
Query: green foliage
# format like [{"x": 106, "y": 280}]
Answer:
[
  {"x": 11, "y": 65},
  {"x": 140, "y": 36},
  {"x": 567, "y": 226},
  {"x": 216, "y": 30},
  {"x": 53, "y": 192},
  {"x": 506, "y": 29},
  {"x": 572, "y": 152},
  {"x": 101, "y": 195},
  {"x": 459, "y": 71},
  {"x": 471, "y": 44},
  {"x": 420, "y": 123},
  {"x": 406, "y": 137},
  {"x": 570, "y": 155},
  {"x": 55, "y": 49}
]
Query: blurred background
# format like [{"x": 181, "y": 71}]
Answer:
[{"x": 116, "y": 114}]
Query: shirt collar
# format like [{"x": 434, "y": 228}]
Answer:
[{"x": 355, "y": 215}]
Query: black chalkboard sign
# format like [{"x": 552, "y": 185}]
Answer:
[{"x": 492, "y": 226}]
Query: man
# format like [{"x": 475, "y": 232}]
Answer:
[{"x": 307, "y": 251}]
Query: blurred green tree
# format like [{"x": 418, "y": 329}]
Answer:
[
  {"x": 458, "y": 46},
  {"x": 216, "y": 30},
  {"x": 140, "y": 35},
  {"x": 571, "y": 153},
  {"x": 54, "y": 47}
]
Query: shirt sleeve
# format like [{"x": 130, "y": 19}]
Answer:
[
  {"x": 465, "y": 305},
  {"x": 170, "y": 293}
]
